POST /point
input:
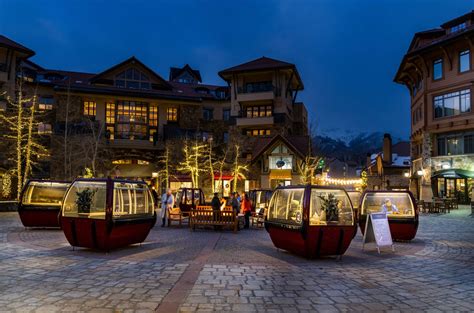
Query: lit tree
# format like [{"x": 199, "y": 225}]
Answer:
[
  {"x": 166, "y": 166},
  {"x": 191, "y": 163},
  {"x": 308, "y": 165},
  {"x": 238, "y": 169},
  {"x": 20, "y": 121},
  {"x": 221, "y": 164}
]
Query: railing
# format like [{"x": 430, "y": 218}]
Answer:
[{"x": 256, "y": 87}]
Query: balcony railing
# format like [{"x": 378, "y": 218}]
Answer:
[{"x": 256, "y": 87}]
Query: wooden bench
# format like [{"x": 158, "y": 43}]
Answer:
[{"x": 207, "y": 217}]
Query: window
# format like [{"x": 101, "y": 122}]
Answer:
[
  {"x": 226, "y": 137},
  {"x": 45, "y": 103},
  {"x": 132, "y": 78},
  {"x": 172, "y": 114},
  {"x": 130, "y": 161},
  {"x": 258, "y": 111},
  {"x": 464, "y": 61},
  {"x": 258, "y": 132},
  {"x": 98, "y": 191},
  {"x": 455, "y": 143},
  {"x": 44, "y": 129},
  {"x": 44, "y": 193},
  {"x": 438, "y": 69},
  {"x": 89, "y": 108},
  {"x": 110, "y": 113},
  {"x": 226, "y": 114},
  {"x": 153, "y": 116},
  {"x": 323, "y": 200},
  {"x": 281, "y": 162},
  {"x": 131, "y": 120},
  {"x": 207, "y": 114},
  {"x": 287, "y": 206},
  {"x": 453, "y": 103},
  {"x": 257, "y": 87},
  {"x": 131, "y": 199},
  {"x": 458, "y": 27},
  {"x": 469, "y": 144},
  {"x": 390, "y": 202}
]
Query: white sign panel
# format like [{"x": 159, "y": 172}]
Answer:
[{"x": 377, "y": 230}]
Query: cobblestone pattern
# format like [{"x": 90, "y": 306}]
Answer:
[{"x": 39, "y": 271}]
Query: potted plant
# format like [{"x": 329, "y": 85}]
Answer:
[
  {"x": 84, "y": 200},
  {"x": 330, "y": 206}
]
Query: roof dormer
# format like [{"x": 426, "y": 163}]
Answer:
[{"x": 185, "y": 75}]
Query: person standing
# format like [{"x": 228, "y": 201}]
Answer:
[
  {"x": 246, "y": 206},
  {"x": 167, "y": 202},
  {"x": 234, "y": 202}
]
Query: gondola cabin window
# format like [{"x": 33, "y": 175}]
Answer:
[
  {"x": 330, "y": 207},
  {"x": 132, "y": 199},
  {"x": 86, "y": 199},
  {"x": 355, "y": 198},
  {"x": 393, "y": 203},
  {"x": 287, "y": 206},
  {"x": 44, "y": 193}
]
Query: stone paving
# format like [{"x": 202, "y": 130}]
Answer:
[{"x": 204, "y": 271}]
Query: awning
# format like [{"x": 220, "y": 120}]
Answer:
[
  {"x": 453, "y": 173},
  {"x": 280, "y": 174}
]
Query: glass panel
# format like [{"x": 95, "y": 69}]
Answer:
[
  {"x": 464, "y": 61},
  {"x": 393, "y": 203},
  {"x": 438, "y": 69},
  {"x": 44, "y": 193},
  {"x": 281, "y": 162},
  {"x": 330, "y": 206},
  {"x": 355, "y": 198},
  {"x": 132, "y": 199},
  {"x": 287, "y": 206},
  {"x": 465, "y": 101},
  {"x": 85, "y": 199}
]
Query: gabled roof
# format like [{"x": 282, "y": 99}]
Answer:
[
  {"x": 260, "y": 64},
  {"x": 176, "y": 72},
  {"x": 458, "y": 20},
  {"x": 297, "y": 144},
  {"x": 8, "y": 43},
  {"x": 132, "y": 60}
]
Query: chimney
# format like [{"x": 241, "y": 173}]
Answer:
[
  {"x": 387, "y": 149},
  {"x": 368, "y": 160}
]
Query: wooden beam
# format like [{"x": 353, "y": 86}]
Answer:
[{"x": 446, "y": 54}]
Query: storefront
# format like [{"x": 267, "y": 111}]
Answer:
[{"x": 453, "y": 183}]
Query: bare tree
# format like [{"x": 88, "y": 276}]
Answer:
[
  {"x": 238, "y": 169},
  {"x": 193, "y": 153}
]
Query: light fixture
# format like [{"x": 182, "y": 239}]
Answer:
[
  {"x": 420, "y": 172},
  {"x": 446, "y": 166},
  {"x": 406, "y": 174},
  {"x": 154, "y": 174}
]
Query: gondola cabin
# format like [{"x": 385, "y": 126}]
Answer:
[
  {"x": 260, "y": 199},
  {"x": 189, "y": 198},
  {"x": 400, "y": 208},
  {"x": 311, "y": 221},
  {"x": 106, "y": 214},
  {"x": 41, "y": 202}
]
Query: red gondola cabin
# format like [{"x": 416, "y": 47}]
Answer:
[
  {"x": 107, "y": 213},
  {"x": 400, "y": 207},
  {"x": 311, "y": 221},
  {"x": 260, "y": 199},
  {"x": 41, "y": 202}
]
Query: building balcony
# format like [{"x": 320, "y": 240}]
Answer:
[
  {"x": 256, "y": 92},
  {"x": 254, "y": 121}
]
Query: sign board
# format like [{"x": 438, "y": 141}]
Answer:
[{"x": 377, "y": 230}]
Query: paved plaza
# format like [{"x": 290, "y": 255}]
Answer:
[{"x": 179, "y": 270}]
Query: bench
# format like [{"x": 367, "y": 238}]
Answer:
[{"x": 207, "y": 217}]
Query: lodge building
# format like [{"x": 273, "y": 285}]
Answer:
[
  {"x": 437, "y": 70},
  {"x": 129, "y": 113}
]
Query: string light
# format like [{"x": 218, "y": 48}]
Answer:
[{"x": 343, "y": 181}]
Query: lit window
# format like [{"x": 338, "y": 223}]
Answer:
[
  {"x": 172, "y": 114},
  {"x": 438, "y": 69},
  {"x": 110, "y": 113},
  {"x": 132, "y": 78},
  {"x": 131, "y": 120},
  {"x": 45, "y": 103},
  {"x": 128, "y": 161},
  {"x": 153, "y": 116},
  {"x": 259, "y": 111},
  {"x": 89, "y": 108},
  {"x": 44, "y": 129},
  {"x": 258, "y": 132},
  {"x": 464, "y": 61}
]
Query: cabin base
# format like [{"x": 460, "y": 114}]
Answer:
[{"x": 39, "y": 217}]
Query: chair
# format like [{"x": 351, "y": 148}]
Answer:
[
  {"x": 175, "y": 215},
  {"x": 258, "y": 218}
]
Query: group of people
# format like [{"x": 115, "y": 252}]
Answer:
[{"x": 240, "y": 204}]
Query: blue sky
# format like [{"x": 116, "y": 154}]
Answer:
[{"x": 347, "y": 52}]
